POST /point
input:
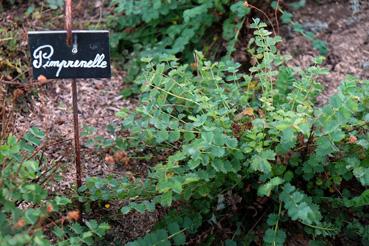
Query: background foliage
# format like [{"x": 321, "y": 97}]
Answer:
[
  {"x": 155, "y": 28},
  {"x": 159, "y": 28}
]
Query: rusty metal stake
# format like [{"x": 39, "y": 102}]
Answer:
[
  {"x": 77, "y": 144},
  {"x": 68, "y": 21}
]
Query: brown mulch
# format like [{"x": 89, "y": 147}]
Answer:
[{"x": 51, "y": 111}]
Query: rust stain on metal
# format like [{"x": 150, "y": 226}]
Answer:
[{"x": 68, "y": 21}]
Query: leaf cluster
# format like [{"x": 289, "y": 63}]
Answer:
[{"x": 28, "y": 215}]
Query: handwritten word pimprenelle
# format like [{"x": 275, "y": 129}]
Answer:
[{"x": 42, "y": 57}]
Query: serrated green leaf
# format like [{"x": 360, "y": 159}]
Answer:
[
  {"x": 166, "y": 199},
  {"x": 125, "y": 209},
  {"x": 259, "y": 162},
  {"x": 217, "y": 151},
  {"x": 240, "y": 9},
  {"x": 358, "y": 201},
  {"x": 265, "y": 189},
  {"x": 207, "y": 137},
  {"x": 161, "y": 136},
  {"x": 272, "y": 219},
  {"x": 32, "y": 215},
  {"x": 62, "y": 201},
  {"x": 298, "y": 206},
  {"x": 174, "y": 136},
  {"x": 362, "y": 174},
  {"x": 192, "y": 164},
  {"x": 272, "y": 237}
]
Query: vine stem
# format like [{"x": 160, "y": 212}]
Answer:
[
  {"x": 177, "y": 96},
  {"x": 261, "y": 11},
  {"x": 318, "y": 227},
  {"x": 277, "y": 224},
  {"x": 172, "y": 235},
  {"x": 276, "y": 15}
]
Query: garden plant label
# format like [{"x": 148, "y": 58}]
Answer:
[{"x": 87, "y": 57}]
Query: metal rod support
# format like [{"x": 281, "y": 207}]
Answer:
[
  {"x": 68, "y": 21},
  {"x": 77, "y": 145}
]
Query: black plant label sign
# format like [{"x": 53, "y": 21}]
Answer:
[{"x": 87, "y": 57}]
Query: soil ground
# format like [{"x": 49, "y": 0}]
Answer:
[{"x": 344, "y": 28}]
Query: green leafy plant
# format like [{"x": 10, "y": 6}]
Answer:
[
  {"x": 55, "y": 4},
  {"x": 223, "y": 130},
  {"x": 28, "y": 215}
]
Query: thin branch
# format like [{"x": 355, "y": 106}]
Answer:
[{"x": 261, "y": 11}]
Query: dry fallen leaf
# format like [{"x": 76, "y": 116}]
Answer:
[
  {"x": 20, "y": 223},
  {"x": 73, "y": 215},
  {"x": 42, "y": 78},
  {"x": 352, "y": 139},
  {"x": 119, "y": 156},
  {"x": 109, "y": 159},
  {"x": 248, "y": 111},
  {"x": 122, "y": 157},
  {"x": 17, "y": 93},
  {"x": 50, "y": 208}
]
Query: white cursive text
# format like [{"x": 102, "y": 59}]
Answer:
[{"x": 42, "y": 58}]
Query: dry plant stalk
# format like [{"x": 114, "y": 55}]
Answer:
[{"x": 6, "y": 113}]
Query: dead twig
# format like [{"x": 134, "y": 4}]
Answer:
[
  {"x": 276, "y": 15},
  {"x": 25, "y": 85}
]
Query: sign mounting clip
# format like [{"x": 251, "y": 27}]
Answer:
[{"x": 75, "y": 44}]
